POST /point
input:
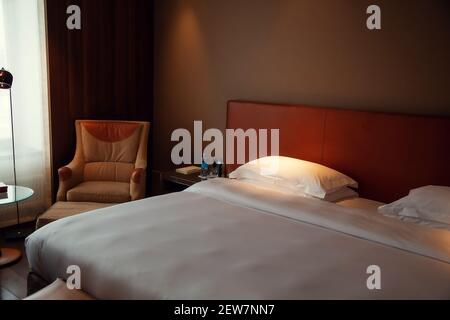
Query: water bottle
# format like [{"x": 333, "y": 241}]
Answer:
[
  {"x": 219, "y": 168},
  {"x": 204, "y": 170}
]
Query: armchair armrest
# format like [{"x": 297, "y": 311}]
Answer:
[
  {"x": 138, "y": 184},
  {"x": 69, "y": 177}
]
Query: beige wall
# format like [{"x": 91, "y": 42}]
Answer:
[{"x": 295, "y": 51}]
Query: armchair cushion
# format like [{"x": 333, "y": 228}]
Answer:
[
  {"x": 110, "y": 141},
  {"x": 100, "y": 191},
  {"x": 108, "y": 171}
]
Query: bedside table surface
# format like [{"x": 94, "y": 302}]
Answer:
[{"x": 182, "y": 179}]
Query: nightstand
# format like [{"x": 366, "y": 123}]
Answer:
[{"x": 172, "y": 181}]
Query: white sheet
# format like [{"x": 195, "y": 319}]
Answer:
[
  {"x": 225, "y": 239},
  {"x": 361, "y": 203}
]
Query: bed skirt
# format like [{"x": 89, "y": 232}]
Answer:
[{"x": 35, "y": 283}]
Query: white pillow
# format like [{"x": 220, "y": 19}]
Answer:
[
  {"x": 430, "y": 203},
  {"x": 338, "y": 195},
  {"x": 306, "y": 177}
]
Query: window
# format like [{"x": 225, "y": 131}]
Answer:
[{"x": 22, "y": 52}]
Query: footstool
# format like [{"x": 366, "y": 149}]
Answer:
[{"x": 66, "y": 209}]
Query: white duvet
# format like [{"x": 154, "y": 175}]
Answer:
[{"x": 224, "y": 239}]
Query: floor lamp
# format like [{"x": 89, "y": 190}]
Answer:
[{"x": 6, "y": 80}]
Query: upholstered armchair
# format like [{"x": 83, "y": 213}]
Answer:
[{"x": 110, "y": 163}]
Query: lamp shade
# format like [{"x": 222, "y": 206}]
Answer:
[{"x": 6, "y": 79}]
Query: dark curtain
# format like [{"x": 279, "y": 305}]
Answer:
[{"x": 103, "y": 71}]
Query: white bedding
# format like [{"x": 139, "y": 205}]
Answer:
[
  {"x": 361, "y": 203},
  {"x": 225, "y": 239}
]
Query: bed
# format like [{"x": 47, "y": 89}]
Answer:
[{"x": 227, "y": 239}]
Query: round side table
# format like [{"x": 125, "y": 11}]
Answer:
[{"x": 15, "y": 194}]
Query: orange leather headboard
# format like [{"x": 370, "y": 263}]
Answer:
[{"x": 388, "y": 154}]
